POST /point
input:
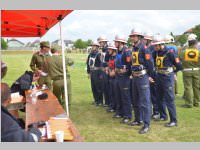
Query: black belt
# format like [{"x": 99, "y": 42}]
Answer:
[{"x": 95, "y": 68}]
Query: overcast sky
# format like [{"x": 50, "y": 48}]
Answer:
[{"x": 89, "y": 24}]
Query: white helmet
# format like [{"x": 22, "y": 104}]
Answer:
[
  {"x": 95, "y": 43},
  {"x": 169, "y": 39},
  {"x": 120, "y": 38},
  {"x": 136, "y": 31},
  {"x": 111, "y": 45},
  {"x": 148, "y": 36},
  {"x": 158, "y": 40},
  {"x": 102, "y": 39},
  {"x": 192, "y": 37}
]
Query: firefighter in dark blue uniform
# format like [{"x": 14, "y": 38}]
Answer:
[
  {"x": 112, "y": 50},
  {"x": 148, "y": 38},
  {"x": 169, "y": 42},
  {"x": 94, "y": 70},
  {"x": 104, "y": 58},
  {"x": 165, "y": 60},
  {"x": 122, "y": 88},
  {"x": 142, "y": 69}
]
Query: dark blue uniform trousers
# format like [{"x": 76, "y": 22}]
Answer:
[
  {"x": 112, "y": 85},
  {"x": 154, "y": 99},
  {"x": 165, "y": 95},
  {"x": 123, "y": 101},
  {"x": 106, "y": 88},
  {"x": 141, "y": 99},
  {"x": 97, "y": 85}
]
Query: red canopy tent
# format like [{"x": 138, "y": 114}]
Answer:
[
  {"x": 29, "y": 23},
  {"x": 34, "y": 23}
]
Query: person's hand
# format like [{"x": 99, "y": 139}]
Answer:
[
  {"x": 112, "y": 73},
  {"x": 35, "y": 77},
  {"x": 175, "y": 77},
  {"x": 38, "y": 72},
  {"x": 151, "y": 80}
]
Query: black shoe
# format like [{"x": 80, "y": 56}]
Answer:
[
  {"x": 156, "y": 116},
  {"x": 186, "y": 106},
  {"x": 110, "y": 110},
  {"x": 99, "y": 104},
  {"x": 117, "y": 116},
  {"x": 144, "y": 130},
  {"x": 163, "y": 119},
  {"x": 135, "y": 123},
  {"x": 196, "y": 105},
  {"x": 125, "y": 120},
  {"x": 171, "y": 124}
]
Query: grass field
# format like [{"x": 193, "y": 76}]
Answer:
[{"x": 95, "y": 124}]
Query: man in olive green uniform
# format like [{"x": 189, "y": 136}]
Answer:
[
  {"x": 38, "y": 63},
  {"x": 191, "y": 72},
  {"x": 55, "y": 70}
]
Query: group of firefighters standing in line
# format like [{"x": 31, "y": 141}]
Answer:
[{"x": 143, "y": 77}]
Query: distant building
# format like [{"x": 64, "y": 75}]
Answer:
[
  {"x": 188, "y": 31},
  {"x": 68, "y": 43},
  {"x": 15, "y": 44},
  {"x": 36, "y": 44}
]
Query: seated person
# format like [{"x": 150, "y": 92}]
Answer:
[
  {"x": 11, "y": 131},
  {"x": 24, "y": 82}
]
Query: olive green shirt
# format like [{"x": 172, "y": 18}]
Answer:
[
  {"x": 189, "y": 64},
  {"x": 38, "y": 62},
  {"x": 55, "y": 66}
]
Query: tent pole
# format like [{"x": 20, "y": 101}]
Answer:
[{"x": 64, "y": 69}]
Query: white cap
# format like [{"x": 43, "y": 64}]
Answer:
[
  {"x": 102, "y": 39},
  {"x": 169, "y": 39},
  {"x": 95, "y": 43},
  {"x": 111, "y": 45},
  {"x": 148, "y": 35},
  {"x": 192, "y": 37},
  {"x": 158, "y": 40},
  {"x": 120, "y": 38},
  {"x": 136, "y": 31}
]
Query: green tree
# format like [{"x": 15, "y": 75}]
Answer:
[
  {"x": 129, "y": 44},
  {"x": 89, "y": 42},
  {"x": 182, "y": 39},
  {"x": 4, "y": 44},
  {"x": 196, "y": 30},
  {"x": 80, "y": 44}
]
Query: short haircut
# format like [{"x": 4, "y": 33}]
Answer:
[
  {"x": 192, "y": 43},
  {"x": 5, "y": 92}
]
